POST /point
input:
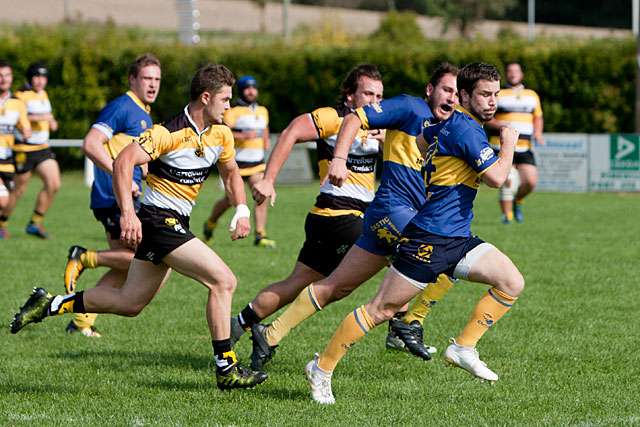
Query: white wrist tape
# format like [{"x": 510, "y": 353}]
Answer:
[{"x": 242, "y": 211}]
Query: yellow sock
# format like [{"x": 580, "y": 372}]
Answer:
[
  {"x": 36, "y": 218},
  {"x": 352, "y": 328},
  {"x": 89, "y": 259},
  {"x": 427, "y": 298},
  {"x": 304, "y": 306},
  {"x": 510, "y": 216},
  {"x": 4, "y": 223},
  {"x": 491, "y": 307},
  {"x": 261, "y": 232},
  {"x": 211, "y": 225},
  {"x": 85, "y": 320}
]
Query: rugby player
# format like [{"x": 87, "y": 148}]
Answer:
[{"x": 180, "y": 153}]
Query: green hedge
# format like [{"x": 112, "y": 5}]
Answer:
[{"x": 585, "y": 85}]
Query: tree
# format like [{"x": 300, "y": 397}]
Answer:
[
  {"x": 463, "y": 13},
  {"x": 262, "y": 4}
]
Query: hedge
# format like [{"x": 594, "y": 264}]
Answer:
[{"x": 585, "y": 85}]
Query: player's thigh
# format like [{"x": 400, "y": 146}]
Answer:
[
  {"x": 143, "y": 282},
  {"x": 496, "y": 269},
  {"x": 528, "y": 174},
  {"x": 253, "y": 179},
  {"x": 49, "y": 172},
  {"x": 357, "y": 267},
  {"x": 20, "y": 181},
  {"x": 198, "y": 261}
]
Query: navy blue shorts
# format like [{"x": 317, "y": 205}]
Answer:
[
  {"x": 382, "y": 228},
  {"x": 424, "y": 256}
]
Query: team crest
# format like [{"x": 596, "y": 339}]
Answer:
[{"x": 143, "y": 124}]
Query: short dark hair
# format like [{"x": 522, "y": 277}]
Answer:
[
  {"x": 350, "y": 84},
  {"x": 142, "y": 61},
  {"x": 210, "y": 78},
  {"x": 441, "y": 71},
  {"x": 4, "y": 64},
  {"x": 472, "y": 73}
]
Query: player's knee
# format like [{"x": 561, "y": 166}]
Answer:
[
  {"x": 130, "y": 310},
  {"x": 225, "y": 284},
  {"x": 513, "y": 284},
  {"x": 341, "y": 291}
]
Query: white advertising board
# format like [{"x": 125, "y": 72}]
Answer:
[
  {"x": 563, "y": 163},
  {"x": 614, "y": 163}
]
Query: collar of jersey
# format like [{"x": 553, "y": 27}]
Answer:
[
  {"x": 139, "y": 103},
  {"x": 186, "y": 113},
  {"x": 4, "y": 101},
  {"x": 461, "y": 109}
]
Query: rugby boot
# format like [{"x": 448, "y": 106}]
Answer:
[
  {"x": 4, "y": 234},
  {"x": 36, "y": 230},
  {"x": 394, "y": 343},
  {"x": 517, "y": 212},
  {"x": 239, "y": 377},
  {"x": 74, "y": 268},
  {"x": 320, "y": 382},
  {"x": 89, "y": 331},
  {"x": 264, "y": 242},
  {"x": 411, "y": 336},
  {"x": 262, "y": 351},
  {"x": 466, "y": 357},
  {"x": 34, "y": 310}
]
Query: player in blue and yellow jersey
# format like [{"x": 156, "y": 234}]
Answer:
[
  {"x": 334, "y": 222},
  {"x": 180, "y": 153},
  {"x": 32, "y": 154},
  {"x": 398, "y": 198},
  {"x": 13, "y": 118},
  {"x": 118, "y": 123},
  {"x": 518, "y": 107},
  {"x": 438, "y": 239},
  {"x": 249, "y": 123}
]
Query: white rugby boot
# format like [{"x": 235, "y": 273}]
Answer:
[
  {"x": 320, "y": 382},
  {"x": 466, "y": 357}
]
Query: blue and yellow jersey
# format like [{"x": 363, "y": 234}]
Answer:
[
  {"x": 181, "y": 159},
  {"x": 404, "y": 117},
  {"x": 518, "y": 106},
  {"x": 120, "y": 121},
  {"x": 357, "y": 192},
  {"x": 13, "y": 115},
  {"x": 458, "y": 154},
  {"x": 249, "y": 152},
  {"x": 36, "y": 103}
]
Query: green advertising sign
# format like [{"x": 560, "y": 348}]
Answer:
[{"x": 625, "y": 152}]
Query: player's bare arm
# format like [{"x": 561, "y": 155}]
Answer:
[
  {"x": 538, "y": 125},
  {"x": 338, "y": 173},
  {"x": 123, "y": 165},
  {"x": 301, "y": 129},
  {"x": 234, "y": 187},
  {"x": 496, "y": 175}
]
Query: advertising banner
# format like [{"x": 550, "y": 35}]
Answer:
[
  {"x": 614, "y": 163},
  {"x": 563, "y": 163}
]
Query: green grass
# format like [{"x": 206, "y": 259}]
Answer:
[{"x": 567, "y": 353}]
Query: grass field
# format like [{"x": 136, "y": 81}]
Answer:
[{"x": 567, "y": 353}]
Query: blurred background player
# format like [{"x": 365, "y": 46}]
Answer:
[
  {"x": 399, "y": 197},
  {"x": 13, "y": 116},
  {"x": 249, "y": 123},
  {"x": 520, "y": 108},
  {"x": 119, "y": 122},
  {"x": 335, "y": 221},
  {"x": 32, "y": 154}
]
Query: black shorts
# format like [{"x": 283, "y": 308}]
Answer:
[
  {"x": 328, "y": 239},
  {"x": 6, "y": 178},
  {"x": 524, "y": 158},
  {"x": 27, "y": 161},
  {"x": 425, "y": 256},
  {"x": 110, "y": 219},
  {"x": 163, "y": 230}
]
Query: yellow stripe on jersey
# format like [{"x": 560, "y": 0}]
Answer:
[
  {"x": 363, "y": 118},
  {"x": 241, "y": 118},
  {"x": 173, "y": 189},
  {"x": 456, "y": 171},
  {"x": 401, "y": 148},
  {"x": 118, "y": 143},
  {"x": 334, "y": 212},
  {"x": 253, "y": 170},
  {"x": 37, "y": 103}
]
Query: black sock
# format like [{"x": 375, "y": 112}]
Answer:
[
  {"x": 248, "y": 318},
  {"x": 224, "y": 356},
  {"x": 78, "y": 303}
]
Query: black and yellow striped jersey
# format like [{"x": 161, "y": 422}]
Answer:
[
  {"x": 248, "y": 117},
  {"x": 357, "y": 192},
  {"x": 518, "y": 107},
  {"x": 13, "y": 114},
  {"x": 36, "y": 103},
  {"x": 181, "y": 159}
]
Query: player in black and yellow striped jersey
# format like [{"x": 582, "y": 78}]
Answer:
[
  {"x": 180, "y": 154},
  {"x": 33, "y": 154},
  {"x": 13, "y": 118},
  {"x": 518, "y": 107},
  {"x": 249, "y": 123},
  {"x": 335, "y": 221}
]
